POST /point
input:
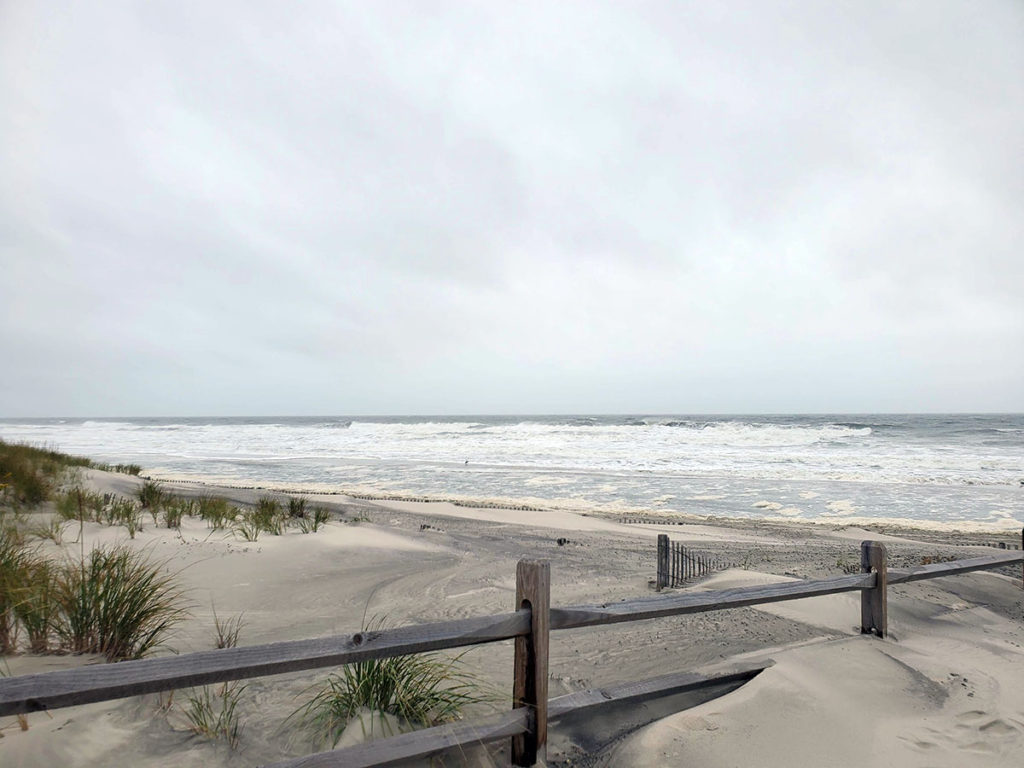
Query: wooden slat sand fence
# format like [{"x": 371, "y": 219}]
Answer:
[
  {"x": 679, "y": 565},
  {"x": 529, "y": 624},
  {"x": 1004, "y": 545}
]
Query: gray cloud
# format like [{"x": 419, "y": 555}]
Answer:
[{"x": 248, "y": 208}]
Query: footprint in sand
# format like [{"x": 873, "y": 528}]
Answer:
[
  {"x": 999, "y": 728},
  {"x": 978, "y": 731},
  {"x": 974, "y": 731}
]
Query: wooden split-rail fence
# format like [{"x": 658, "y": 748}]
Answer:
[
  {"x": 679, "y": 564},
  {"x": 529, "y": 625}
]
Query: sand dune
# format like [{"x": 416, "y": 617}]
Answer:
[{"x": 946, "y": 689}]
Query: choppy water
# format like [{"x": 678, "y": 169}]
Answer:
[{"x": 935, "y": 469}]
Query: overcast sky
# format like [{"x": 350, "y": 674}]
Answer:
[{"x": 255, "y": 208}]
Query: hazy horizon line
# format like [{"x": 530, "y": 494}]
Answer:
[{"x": 509, "y": 414}]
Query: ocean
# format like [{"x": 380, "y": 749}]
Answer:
[{"x": 963, "y": 471}]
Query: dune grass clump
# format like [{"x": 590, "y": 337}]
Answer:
[
  {"x": 227, "y": 630},
  {"x": 312, "y": 523},
  {"x": 176, "y": 509},
  {"x": 247, "y": 526},
  {"x": 29, "y": 474},
  {"x": 212, "y": 712},
  {"x": 121, "y": 511},
  {"x": 81, "y": 505},
  {"x": 216, "y": 511},
  {"x": 132, "y": 521},
  {"x": 423, "y": 689},
  {"x": 52, "y": 529},
  {"x": 151, "y": 495},
  {"x": 116, "y": 603},
  {"x": 22, "y": 481},
  {"x": 297, "y": 507},
  {"x": 14, "y": 564},
  {"x": 269, "y": 515},
  {"x": 36, "y": 607},
  {"x": 13, "y": 525},
  {"x": 124, "y": 469}
]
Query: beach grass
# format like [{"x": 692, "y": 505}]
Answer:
[
  {"x": 151, "y": 495},
  {"x": 76, "y": 503},
  {"x": 312, "y": 523},
  {"x": 30, "y": 474},
  {"x": 112, "y": 601},
  {"x": 227, "y": 630},
  {"x": 14, "y": 566},
  {"x": 212, "y": 712},
  {"x": 269, "y": 515},
  {"x": 422, "y": 689},
  {"x": 117, "y": 603},
  {"x": 36, "y": 606},
  {"x": 297, "y": 507},
  {"x": 176, "y": 509},
  {"x": 247, "y": 526},
  {"x": 216, "y": 511}
]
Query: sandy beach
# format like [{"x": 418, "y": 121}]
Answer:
[
  {"x": 321, "y": 322},
  {"x": 946, "y": 688}
]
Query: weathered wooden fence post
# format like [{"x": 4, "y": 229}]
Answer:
[
  {"x": 873, "y": 602},
  {"x": 672, "y": 563},
  {"x": 530, "y": 676},
  {"x": 662, "y": 561}
]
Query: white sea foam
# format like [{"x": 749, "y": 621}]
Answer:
[{"x": 932, "y": 468}]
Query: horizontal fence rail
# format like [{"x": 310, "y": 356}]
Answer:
[
  {"x": 700, "y": 602},
  {"x": 430, "y": 741},
  {"x": 529, "y": 625},
  {"x": 397, "y": 750},
  {"x": 952, "y": 568},
  {"x": 102, "y": 682}
]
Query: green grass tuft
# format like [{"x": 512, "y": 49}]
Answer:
[
  {"x": 424, "y": 689},
  {"x": 29, "y": 473},
  {"x": 247, "y": 526},
  {"x": 175, "y": 509},
  {"x": 228, "y": 630},
  {"x": 36, "y": 607},
  {"x": 81, "y": 505},
  {"x": 151, "y": 495},
  {"x": 115, "y": 602},
  {"x": 213, "y": 714},
  {"x": 270, "y": 516},
  {"x": 15, "y": 562},
  {"x": 312, "y": 523},
  {"x": 216, "y": 511},
  {"x": 296, "y": 507}
]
